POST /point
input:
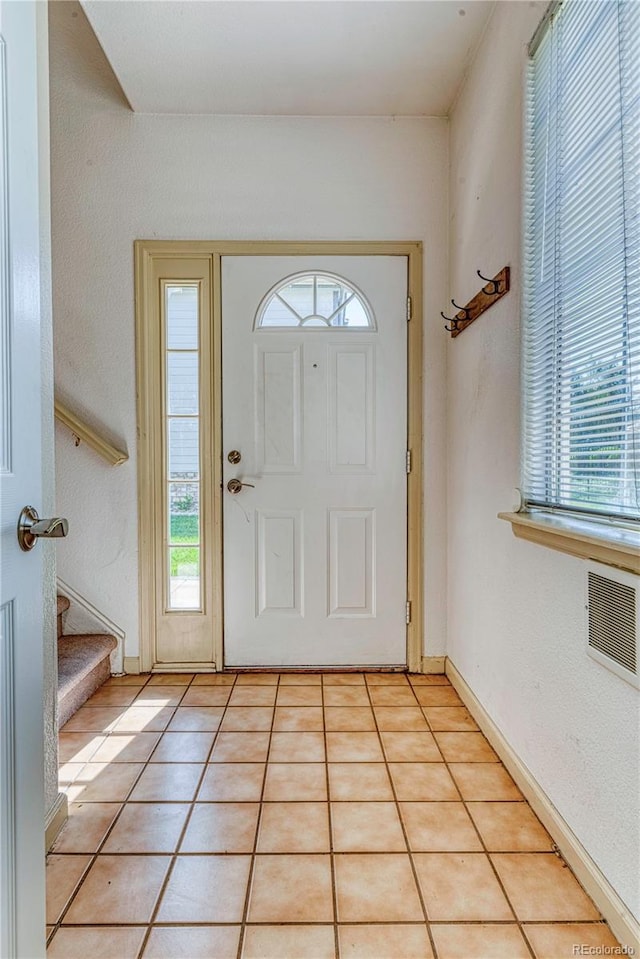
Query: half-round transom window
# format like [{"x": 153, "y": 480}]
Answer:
[{"x": 314, "y": 300}]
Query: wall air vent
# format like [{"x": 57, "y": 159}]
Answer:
[{"x": 612, "y": 621}]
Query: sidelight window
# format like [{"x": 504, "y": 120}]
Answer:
[{"x": 182, "y": 439}]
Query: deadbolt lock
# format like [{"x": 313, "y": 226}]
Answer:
[{"x": 234, "y": 456}]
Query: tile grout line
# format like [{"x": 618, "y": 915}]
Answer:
[
  {"x": 480, "y": 838},
  {"x": 402, "y": 825},
  {"x": 185, "y": 826},
  {"x": 485, "y": 850},
  {"x": 520, "y": 923},
  {"x": 252, "y": 864},
  {"x": 163, "y": 886},
  {"x": 145, "y": 764},
  {"x": 123, "y": 802},
  {"x": 418, "y": 923},
  {"x": 332, "y": 860}
]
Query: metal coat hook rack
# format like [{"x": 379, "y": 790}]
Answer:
[{"x": 494, "y": 290}]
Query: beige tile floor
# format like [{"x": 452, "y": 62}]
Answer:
[{"x": 299, "y": 816}]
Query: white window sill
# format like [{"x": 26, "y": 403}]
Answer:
[{"x": 613, "y": 546}]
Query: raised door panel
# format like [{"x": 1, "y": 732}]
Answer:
[
  {"x": 352, "y": 589},
  {"x": 279, "y": 586},
  {"x": 351, "y": 395},
  {"x": 278, "y": 409}
]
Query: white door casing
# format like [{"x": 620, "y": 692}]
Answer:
[
  {"x": 315, "y": 554},
  {"x": 22, "y": 812}
]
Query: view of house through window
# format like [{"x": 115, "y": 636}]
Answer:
[
  {"x": 582, "y": 262},
  {"x": 314, "y": 300}
]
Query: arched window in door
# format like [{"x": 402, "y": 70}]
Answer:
[{"x": 314, "y": 301}]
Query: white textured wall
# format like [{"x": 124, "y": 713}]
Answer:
[
  {"x": 516, "y": 630},
  {"x": 119, "y": 176}
]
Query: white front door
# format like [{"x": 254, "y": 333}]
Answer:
[
  {"x": 21, "y": 727},
  {"x": 314, "y": 403}
]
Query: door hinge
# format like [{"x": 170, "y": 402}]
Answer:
[
  {"x": 408, "y": 461},
  {"x": 408, "y": 612},
  {"x": 409, "y": 308}
]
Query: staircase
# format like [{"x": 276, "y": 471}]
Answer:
[{"x": 83, "y": 665}]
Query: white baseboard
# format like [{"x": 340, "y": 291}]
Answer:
[
  {"x": 433, "y": 664},
  {"x": 623, "y": 923},
  {"x": 83, "y": 617},
  {"x": 56, "y": 818},
  {"x": 131, "y": 665}
]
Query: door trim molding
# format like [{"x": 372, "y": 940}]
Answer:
[{"x": 145, "y": 252}]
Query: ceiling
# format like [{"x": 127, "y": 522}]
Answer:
[{"x": 289, "y": 57}]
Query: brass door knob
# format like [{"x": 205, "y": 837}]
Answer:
[{"x": 235, "y": 485}]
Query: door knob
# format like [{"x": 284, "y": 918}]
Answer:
[
  {"x": 31, "y": 528},
  {"x": 235, "y": 485}
]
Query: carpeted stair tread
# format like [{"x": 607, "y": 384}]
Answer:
[
  {"x": 78, "y": 656},
  {"x": 63, "y": 604}
]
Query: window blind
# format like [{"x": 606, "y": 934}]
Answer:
[{"x": 581, "y": 303}]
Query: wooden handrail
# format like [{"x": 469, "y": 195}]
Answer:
[{"x": 86, "y": 434}]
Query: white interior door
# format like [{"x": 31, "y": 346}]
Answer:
[
  {"x": 314, "y": 401},
  {"x": 21, "y": 726}
]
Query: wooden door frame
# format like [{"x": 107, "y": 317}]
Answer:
[{"x": 149, "y": 425}]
